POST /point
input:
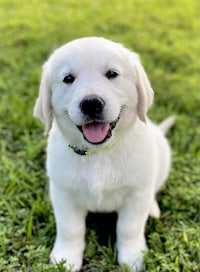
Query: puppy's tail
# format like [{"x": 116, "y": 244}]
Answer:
[{"x": 166, "y": 124}]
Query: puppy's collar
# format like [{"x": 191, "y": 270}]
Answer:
[{"x": 89, "y": 152}]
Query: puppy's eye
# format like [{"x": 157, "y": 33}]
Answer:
[
  {"x": 111, "y": 74},
  {"x": 69, "y": 79}
]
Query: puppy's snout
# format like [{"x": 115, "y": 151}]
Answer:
[{"x": 92, "y": 106}]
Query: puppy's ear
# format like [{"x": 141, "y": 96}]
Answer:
[
  {"x": 43, "y": 109},
  {"x": 145, "y": 92}
]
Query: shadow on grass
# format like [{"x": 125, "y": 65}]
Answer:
[{"x": 104, "y": 225}]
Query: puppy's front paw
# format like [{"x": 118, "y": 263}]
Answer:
[
  {"x": 131, "y": 256},
  {"x": 72, "y": 258}
]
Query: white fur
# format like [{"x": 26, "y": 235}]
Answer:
[{"x": 123, "y": 178}]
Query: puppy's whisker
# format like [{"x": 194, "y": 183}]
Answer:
[
  {"x": 64, "y": 116},
  {"x": 125, "y": 111}
]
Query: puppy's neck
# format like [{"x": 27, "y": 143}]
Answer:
[{"x": 92, "y": 151}]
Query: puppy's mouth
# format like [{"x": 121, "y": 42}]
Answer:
[{"x": 98, "y": 132}]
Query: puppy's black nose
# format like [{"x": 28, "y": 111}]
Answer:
[{"x": 92, "y": 106}]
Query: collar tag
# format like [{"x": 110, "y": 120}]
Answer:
[{"x": 78, "y": 151}]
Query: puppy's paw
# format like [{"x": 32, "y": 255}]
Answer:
[
  {"x": 72, "y": 258},
  {"x": 133, "y": 257}
]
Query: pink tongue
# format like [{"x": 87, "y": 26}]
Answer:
[{"x": 96, "y": 132}]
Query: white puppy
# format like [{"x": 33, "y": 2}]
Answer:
[{"x": 103, "y": 153}]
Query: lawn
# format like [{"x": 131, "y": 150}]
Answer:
[{"x": 166, "y": 35}]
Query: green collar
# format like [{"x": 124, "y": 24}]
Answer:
[{"x": 87, "y": 152}]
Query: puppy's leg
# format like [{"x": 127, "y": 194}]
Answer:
[
  {"x": 130, "y": 231},
  {"x": 70, "y": 224},
  {"x": 154, "y": 210}
]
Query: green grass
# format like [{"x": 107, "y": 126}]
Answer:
[{"x": 166, "y": 34}]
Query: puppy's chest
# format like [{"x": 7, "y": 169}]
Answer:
[
  {"x": 95, "y": 175},
  {"x": 96, "y": 185}
]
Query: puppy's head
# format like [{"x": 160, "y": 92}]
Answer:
[{"x": 93, "y": 88}]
